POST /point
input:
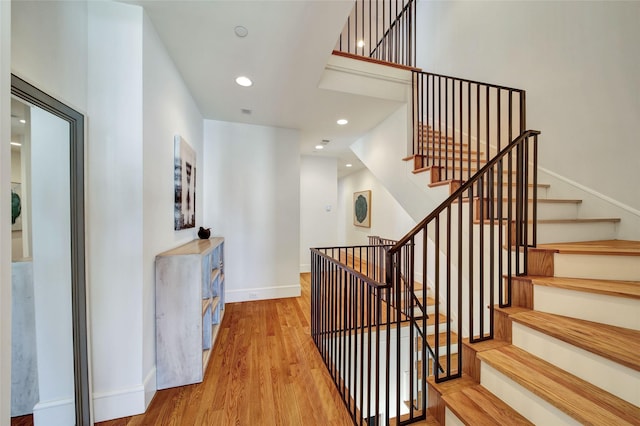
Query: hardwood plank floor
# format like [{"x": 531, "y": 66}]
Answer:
[{"x": 263, "y": 370}]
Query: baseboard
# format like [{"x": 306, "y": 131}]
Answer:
[
  {"x": 149, "y": 387},
  {"x": 305, "y": 267},
  {"x": 57, "y": 412},
  {"x": 122, "y": 403},
  {"x": 262, "y": 293}
]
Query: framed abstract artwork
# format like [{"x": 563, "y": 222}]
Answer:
[
  {"x": 362, "y": 209},
  {"x": 184, "y": 175}
]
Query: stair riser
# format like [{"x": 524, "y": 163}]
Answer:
[
  {"x": 532, "y": 407},
  {"x": 610, "y": 376},
  {"x": 606, "y": 267},
  {"x": 451, "y": 419},
  {"x": 567, "y": 232},
  {"x": 618, "y": 311}
]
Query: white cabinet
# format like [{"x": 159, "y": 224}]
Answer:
[{"x": 189, "y": 310}]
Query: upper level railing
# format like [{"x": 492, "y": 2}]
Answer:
[
  {"x": 470, "y": 246},
  {"x": 381, "y": 29},
  {"x": 459, "y": 124}
]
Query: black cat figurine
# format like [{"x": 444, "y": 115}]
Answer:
[{"x": 204, "y": 234}]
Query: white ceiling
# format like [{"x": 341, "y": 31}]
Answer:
[{"x": 284, "y": 53}]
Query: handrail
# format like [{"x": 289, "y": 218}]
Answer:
[{"x": 471, "y": 245}]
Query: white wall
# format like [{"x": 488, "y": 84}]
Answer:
[
  {"x": 108, "y": 61},
  {"x": 168, "y": 110},
  {"x": 115, "y": 207},
  {"x": 579, "y": 63},
  {"x": 388, "y": 218},
  {"x": 318, "y": 205},
  {"x": 252, "y": 174},
  {"x": 49, "y": 47},
  {"x": 382, "y": 150},
  {"x": 5, "y": 213}
]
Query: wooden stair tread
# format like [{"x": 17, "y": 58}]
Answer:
[
  {"x": 579, "y": 399},
  {"x": 431, "y": 421},
  {"x": 442, "y": 362},
  {"x": 561, "y": 221},
  {"x": 431, "y": 339},
  {"x": 450, "y": 386},
  {"x": 582, "y": 220},
  {"x": 485, "y": 345},
  {"x": 442, "y": 339},
  {"x": 443, "y": 156},
  {"x": 477, "y": 406},
  {"x": 510, "y": 310},
  {"x": 611, "y": 247},
  {"x": 629, "y": 289},
  {"x": 431, "y": 320},
  {"x": 448, "y": 181},
  {"x": 540, "y": 200},
  {"x": 620, "y": 345}
]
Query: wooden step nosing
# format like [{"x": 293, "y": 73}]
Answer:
[
  {"x": 477, "y": 405},
  {"x": 554, "y": 385},
  {"x": 615, "y": 288},
  {"x": 617, "y": 344},
  {"x": 603, "y": 247}
]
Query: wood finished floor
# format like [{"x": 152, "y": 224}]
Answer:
[{"x": 264, "y": 370}]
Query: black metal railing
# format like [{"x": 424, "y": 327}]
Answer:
[
  {"x": 459, "y": 124},
  {"x": 360, "y": 328},
  {"x": 470, "y": 247},
  {"x": 381, "y": 29}
]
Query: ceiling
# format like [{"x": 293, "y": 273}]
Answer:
[{"x": 284, "y": 53}]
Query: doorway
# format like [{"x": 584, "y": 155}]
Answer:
[{"x": 50, "y": 374}]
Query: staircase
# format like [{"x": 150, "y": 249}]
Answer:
[
  {"x": 564, "y": 346},
  {"x": 568, "y": 351}
]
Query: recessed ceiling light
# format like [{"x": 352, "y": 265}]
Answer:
[
  {"x": 348, "y": 165},
  {"x": 244, "y": 81},
  {"x": 241, "y": 31},
  {"x": 22, "y": 120},
  {"x": 319, "y": 147},
  {"x": 360, "y": 43},
  {"x": 16, "y": 144},
  {"x": 342, "y": 121}
]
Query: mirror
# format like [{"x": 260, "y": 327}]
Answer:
[{"x": 49, "y": 383}]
